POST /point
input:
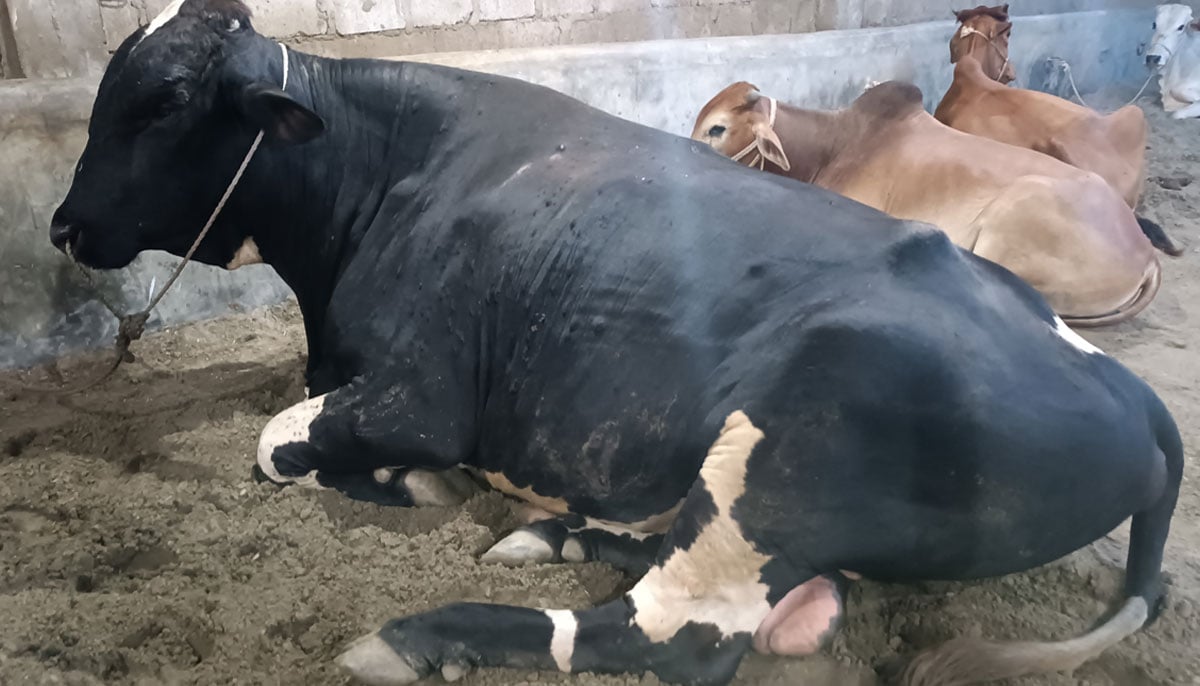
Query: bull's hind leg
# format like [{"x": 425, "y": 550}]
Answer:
[
  {"x": 357, "y": 441},
  {"x": 973, "y": 660},
  {"x": 689, "y": 620}
]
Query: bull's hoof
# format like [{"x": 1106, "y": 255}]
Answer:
[
  {"x": 371, "y": 661},
  {"x": 260, "y": 477},
  {"x": 518, "y": 548},
  {"x": 447, "y": 488}
]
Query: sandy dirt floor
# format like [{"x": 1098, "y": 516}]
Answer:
[{"x": 134, "y": 548}]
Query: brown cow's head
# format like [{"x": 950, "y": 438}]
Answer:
[
  {"x": 983, "y": 34},
  {"x": 737, "y": 122}
]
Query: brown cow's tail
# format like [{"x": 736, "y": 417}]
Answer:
[
  {"x": 1159, "y": 238},
  {"x": 1136, "y": 304},
  {"x": 969, "y": 660}
]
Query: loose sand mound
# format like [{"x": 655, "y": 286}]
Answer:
[{"x": 135, "y": 549}]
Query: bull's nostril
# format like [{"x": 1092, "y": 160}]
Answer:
[{"x": 63, "y": 233}]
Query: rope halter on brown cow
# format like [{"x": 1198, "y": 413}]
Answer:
[
  {"x": 758, "y": 160},
  {"x": 968, "y": 31},
  {"x": 131, "y": 326}
]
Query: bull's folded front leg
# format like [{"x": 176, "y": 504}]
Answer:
[
  {"x": 572, "y": 538},
  {"x": 689, "y": 620},
  {"x": 366, "y": 442}
]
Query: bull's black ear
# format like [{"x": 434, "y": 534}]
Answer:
[{"x": 280, "y": 117}]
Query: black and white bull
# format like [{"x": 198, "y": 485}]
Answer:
[{"x": 744, "y": 388}]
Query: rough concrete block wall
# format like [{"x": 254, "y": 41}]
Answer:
[
  {"x": 45, "y": 309},
  {"x": 351, "y": 17},
  {"x": 58, "y": 38}
]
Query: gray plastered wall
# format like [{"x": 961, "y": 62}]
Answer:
[
  {"x": 45, "y": 308},
  {"x": 61, "y": 38}
]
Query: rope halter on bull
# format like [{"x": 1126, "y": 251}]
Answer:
[
  {"x": 758, "y": 160},
  {"x": 131, "y": 326},
  {"x": 968, "y": 31}
]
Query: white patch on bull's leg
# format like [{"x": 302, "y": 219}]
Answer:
[
  {"x": 246, "y": 254},
  {"x": 374, "y": 663},
  {"x": 616, "y": 529},
  {"x": 716, "y": 580},
  {"x": 562, "y": 641},
  {"x": 163, "y": 17},
  {"x": 518, "y": 548},
  {"x": 572, "y": 550},
  {"x": 452, "y": 673},
  {"x": 1078, "y": 342},
  {"x": 293, "y": 425}
]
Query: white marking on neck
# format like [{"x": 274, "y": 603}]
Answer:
[
  {"x": 562, "y": 643},
  {"x": 1078, "y": 342},
  {"x": 163, "y": 17},
  {"x": 247, "y": 254}
]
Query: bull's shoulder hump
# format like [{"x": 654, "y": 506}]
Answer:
[{"x": 889, "y": 100}]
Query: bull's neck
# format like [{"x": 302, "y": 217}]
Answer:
[
  {"x": 308, "y": 206},
  {"x": 810, "y": 138}
]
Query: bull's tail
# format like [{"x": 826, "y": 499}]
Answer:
[
  {"x": 1159, "y": 238},
  {"x": 1136, "y": 304},
  {"x": 968, "y": 661}
]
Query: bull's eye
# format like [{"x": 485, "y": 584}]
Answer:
[
  {"x": 1154, "y": 25},
  {"x": 1181, "y": 27},
  {"x": 716, "y": 131}
]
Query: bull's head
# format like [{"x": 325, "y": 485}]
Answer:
[
  {"x": 736, "y": 122},
  {"x": 1170, "y": 24},
  {"x": 177, "y": 109}
]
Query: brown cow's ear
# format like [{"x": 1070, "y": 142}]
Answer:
[{"x": 770, "y": 147}]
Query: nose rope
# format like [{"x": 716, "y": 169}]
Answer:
[
  {"x": 130, "y": 327},
  {"x": 758, "y": 160}
]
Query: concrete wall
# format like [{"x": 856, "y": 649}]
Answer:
[
  {"x": 45, "y": 310},
  {"x": 62, "y": 38}
]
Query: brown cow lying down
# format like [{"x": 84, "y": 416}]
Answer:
[
  {"x": 1063, "y": 230},
  {"x": 1113, "y": 146}
]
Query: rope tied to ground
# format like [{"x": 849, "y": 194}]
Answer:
[{"x": 131, "y": 327}]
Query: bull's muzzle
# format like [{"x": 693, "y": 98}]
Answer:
[{"x": 62, "y": 232}]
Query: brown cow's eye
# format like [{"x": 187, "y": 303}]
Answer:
[{"x": 716, "y": 131}]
